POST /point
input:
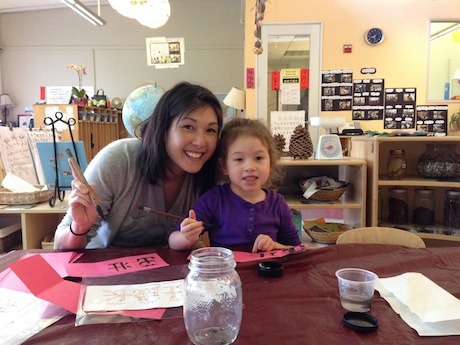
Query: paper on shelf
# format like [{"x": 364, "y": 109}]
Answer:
[{"x": 17, "y": 185}]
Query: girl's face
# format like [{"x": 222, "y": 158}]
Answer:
[
  {"x": 191, "y": 141},
  {"x": 247, "y": 165}
]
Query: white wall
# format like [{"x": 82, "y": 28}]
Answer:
[{"x": 38, "y": 45}]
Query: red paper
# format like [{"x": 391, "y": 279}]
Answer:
[
  {"x": 246, "y": 257},
  {"x": 44, "y": 282},
  {"x": 276, "y": 80},
  {"x": 304, "y": 78},
  {"x": 116, "y": 266}
]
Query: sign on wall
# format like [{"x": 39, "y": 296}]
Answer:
[{"x": 165, "y": 52}]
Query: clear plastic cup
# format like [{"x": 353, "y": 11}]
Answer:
[{"x": 356, "y": 287}]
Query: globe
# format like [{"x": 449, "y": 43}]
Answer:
[{"x": 139, "y": 106}]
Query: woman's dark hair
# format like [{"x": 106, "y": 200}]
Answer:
[
  {"x": 239, "y": 127},
  {"x": 177, "y": 102}
]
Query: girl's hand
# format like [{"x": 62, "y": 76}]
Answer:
[
  {"x": 191, "y": 228},
  {"x": 264, "y": 243}
]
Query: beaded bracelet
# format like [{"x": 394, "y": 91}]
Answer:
[{"x": 75, "y": 234}]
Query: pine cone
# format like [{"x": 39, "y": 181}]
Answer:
[
  {"x": 280, "y": 142},
  {"x": 300, "y": 146}
]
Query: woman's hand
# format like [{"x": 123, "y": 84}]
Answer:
[{"x": 81, "y": 207}]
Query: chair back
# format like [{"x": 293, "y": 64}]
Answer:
[{"x": 381, "y": 235}]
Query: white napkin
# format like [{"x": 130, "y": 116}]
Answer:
[
  {"x": 17, "y": 185},
  {"x": 422, "y": 304}
]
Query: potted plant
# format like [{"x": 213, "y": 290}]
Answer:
[
  {"x": 454, "y": 123},
  {"x": 79, "y": 95}
]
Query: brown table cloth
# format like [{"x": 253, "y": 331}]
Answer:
[{"x": 301, "y": 307}]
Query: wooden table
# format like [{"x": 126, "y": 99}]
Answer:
[
  {"x": 301, "y": 307},
  {"x": 38, "y": 221}
]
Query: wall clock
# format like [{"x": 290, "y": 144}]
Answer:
[
  {"x": 329, "y": 147},
  {"x": 374, "y": 36}
]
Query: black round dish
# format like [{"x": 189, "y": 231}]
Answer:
[
  {"x": 360, "y": 322},
  {"x": 270, "y": 269}
]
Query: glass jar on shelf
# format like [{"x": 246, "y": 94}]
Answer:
[
  {"x": 397, "y": 165},
  {"x": 423, "y": 209},
  {"x": 398, "y": 207},
  {"x": 440, "y": 161},
  {"x": 452, "y": 209}
]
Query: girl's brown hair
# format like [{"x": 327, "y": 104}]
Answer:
[{"x": 239, "y": 127}]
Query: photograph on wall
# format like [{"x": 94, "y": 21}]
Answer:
[
  {"x": 399, "y": 108},
  {"x": 368, "y": 99},
  {"x": 165, "y": 52},
  {"x": 336, "y": 90},
  {"x": 432, "y": 119}
]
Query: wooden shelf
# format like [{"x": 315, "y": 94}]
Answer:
[
  {"x": 351, "y": 170},
  {"x": 375, "y": 150},
  {"x": 96, "y": 127}
]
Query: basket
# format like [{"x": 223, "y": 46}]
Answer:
[
  {"x": 326, "y": 194},
  {"x": 48, "y": 242},
  {"x": 8, "y": 197},
  {"x": 327, "y": 237}
]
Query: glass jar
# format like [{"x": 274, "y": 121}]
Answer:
[
  {"x": 423, "y": 210},
  {"x": 397, "y": 206},
  {"x": 213, "y": 304},
  {"x": 452, "y": 209},
  {"x": 396, "y": 166},
  {"x": 440, "y": 161}
]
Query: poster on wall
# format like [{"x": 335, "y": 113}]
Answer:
[
  {"x": 432, "y": 119},
  {"x": 400, "y": 108},
  {"x": 368, "y": 99},
  {"x": 284, "y": 123},
  {"x": 165, "y": 52},
  {"x": 336, "y": 90}
]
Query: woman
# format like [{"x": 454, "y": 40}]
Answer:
[{"x": 167, "y": 169}]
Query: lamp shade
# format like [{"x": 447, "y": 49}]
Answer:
[
  {"x": 236, "y": 98},
  {"x": 6, "y": 102}
]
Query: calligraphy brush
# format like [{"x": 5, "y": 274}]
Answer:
[
  {"x": 170, "y": 215},
  {"x": 81, "y": 177}
]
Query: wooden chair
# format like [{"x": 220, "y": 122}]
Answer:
[{"x": 375, "y": 234}]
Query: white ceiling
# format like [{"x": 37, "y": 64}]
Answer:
[{"x": 7, "y": 6}]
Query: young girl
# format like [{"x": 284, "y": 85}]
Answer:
[{"x": 247, "y": 214}]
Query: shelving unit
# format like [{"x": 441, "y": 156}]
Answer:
[
  {"x": 96, "y": 127},
  {"x": 375, "y": 150},
  {"x": 351, "y": 203}
]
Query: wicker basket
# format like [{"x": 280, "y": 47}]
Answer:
[
  {"x": 327, "y": 237},
  {"x": 326, "y": 194},
  {"x": 48, "y": 242},
  {"x": 8, "y": 197}
]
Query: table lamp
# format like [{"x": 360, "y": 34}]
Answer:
[
  {"x": 5, "y": 104},
  {"x": 236, "y": 99}
]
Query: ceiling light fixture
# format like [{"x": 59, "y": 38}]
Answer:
[
  {"x": 85, "y": 12},
  {"x": 151, "y": 13}
]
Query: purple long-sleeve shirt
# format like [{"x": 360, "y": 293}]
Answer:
[{"x": 241, "y": 221}]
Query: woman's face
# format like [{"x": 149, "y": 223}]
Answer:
[{"x": 191, "y": 140}]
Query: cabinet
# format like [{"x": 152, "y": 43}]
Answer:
[
  {"x": 375, "y": 150},
  {"x": 351, "y": 204},
  {"x": 96, "y": 127}
]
